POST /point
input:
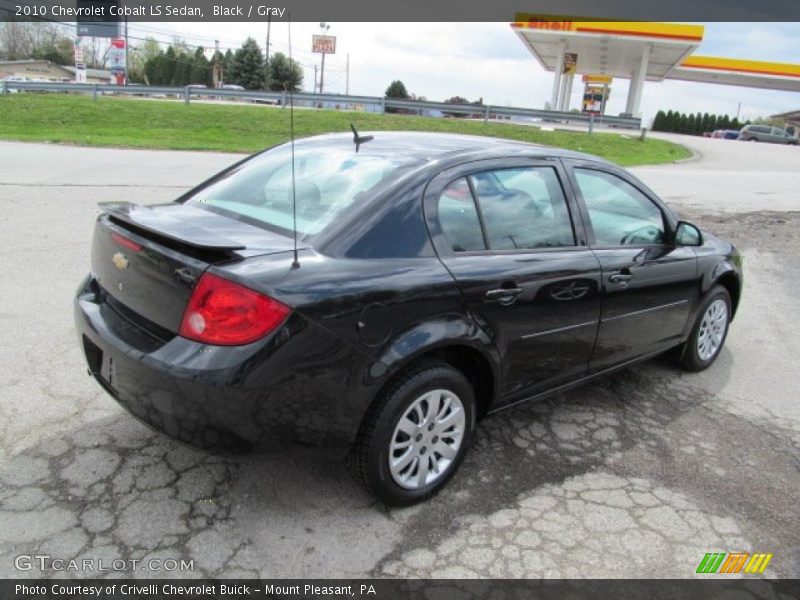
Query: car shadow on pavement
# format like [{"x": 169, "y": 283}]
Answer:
[{"x": 112, "y": 489}]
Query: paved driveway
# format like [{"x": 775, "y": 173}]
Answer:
[{"x": 639, "y": 475}]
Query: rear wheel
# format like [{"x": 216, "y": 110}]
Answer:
[
  {"x": 709, "y": 331},
  {"x": 414, "y": 440}
]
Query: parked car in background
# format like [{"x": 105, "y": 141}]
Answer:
[
  {"x": 766, "y": 133},
  {"x": 377, "y": 299},
  {"x": 233, "y": 86},
  {"x": 726, "y": 134}
]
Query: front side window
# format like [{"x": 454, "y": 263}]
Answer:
[
  {"x": 619, "y": 213},
  {"x": 523, "y": 208}
]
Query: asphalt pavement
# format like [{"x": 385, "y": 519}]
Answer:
[{"x": 637, "y": 476}]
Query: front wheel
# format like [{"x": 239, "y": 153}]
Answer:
[
  {"x": 415, "y": 438},
  {"x": 709, "y": 331}
]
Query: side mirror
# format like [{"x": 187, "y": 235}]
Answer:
[{"x": 687, "y": 234}]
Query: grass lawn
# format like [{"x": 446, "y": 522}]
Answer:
[{"x": 166, "y": 124}]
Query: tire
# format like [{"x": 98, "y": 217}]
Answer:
[
  {"x": 709, "y": 331},
  {"x": 382, "y": 436}
]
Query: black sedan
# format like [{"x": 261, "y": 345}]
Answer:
[{"x": 435, "y": 279}]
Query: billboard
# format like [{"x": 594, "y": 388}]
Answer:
[
  {"x": 107, "y": 26},
  {"x": 323, "y": 44}
]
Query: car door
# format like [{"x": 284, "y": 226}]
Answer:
[
  {"x": 509, "y": 234},
  {"x": 648, "y": 283},
  {"x": 781, "y": 137}
]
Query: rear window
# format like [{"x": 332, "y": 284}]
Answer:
[{"x": 328, "y": 182}]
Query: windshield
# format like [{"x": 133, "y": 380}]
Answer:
[{"x": 328, "y": 180}]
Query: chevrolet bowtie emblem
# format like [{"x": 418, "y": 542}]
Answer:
[{"x": 120, "y": 261}]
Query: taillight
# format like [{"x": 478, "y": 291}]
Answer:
[{"x": 224, "y": 313}]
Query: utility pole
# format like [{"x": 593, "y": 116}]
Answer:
[
  {"x": 217, "y": 71},
  {"x": 266, "y": 61},
  {"x": 324, "y": 28},
  {"x": 321, "y": 73},
  {"x": 127, "y": 63},
  {"x": 347, "y": 76}
]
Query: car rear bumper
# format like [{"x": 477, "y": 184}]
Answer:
[{"x": 217, "y": 397}]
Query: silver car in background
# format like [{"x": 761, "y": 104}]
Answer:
[{"x": 766, "y": 133}]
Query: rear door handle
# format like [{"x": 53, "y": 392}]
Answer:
[
  {"x": 621, "y": 278},
  {"x": 504, "y": 296}
]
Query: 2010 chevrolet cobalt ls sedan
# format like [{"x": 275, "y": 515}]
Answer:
[{"x": 437, "y": 278}]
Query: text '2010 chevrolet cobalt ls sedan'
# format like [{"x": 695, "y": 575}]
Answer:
[{"x": 437, "y": 278}]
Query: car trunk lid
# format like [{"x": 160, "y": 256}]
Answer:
[{"x": 147, "y": 259}]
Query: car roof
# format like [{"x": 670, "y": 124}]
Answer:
[{"x": 441, "y": 147}]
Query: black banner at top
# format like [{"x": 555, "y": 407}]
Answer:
[{"x": 394, "y": 10}]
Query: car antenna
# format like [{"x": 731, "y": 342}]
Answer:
[
  {"x": 296, "y": 262},
  {"x": 360, "y": 139}
]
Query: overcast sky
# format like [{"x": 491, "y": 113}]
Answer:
[{"x": 487, "y": 60}]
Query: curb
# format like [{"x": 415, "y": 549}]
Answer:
[{"x": 694, "y": 157}]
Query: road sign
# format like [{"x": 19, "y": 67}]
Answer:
[
  {"x": 323, "y": 44},
  {"x": 116, "y": 56}
]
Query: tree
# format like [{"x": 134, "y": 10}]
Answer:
[
  {"x": 683, "y": 123},
  {"x": 285, "y": 73},
  {"x": 658, "y": 122},
  {"x": 227, "y": 65},
  {"x": 60, "y": 52},
  {"x": 397, "y": 90},
  {"x": 666, "y": 122},
  {"x": 705, "y": 123},
  {"x": 247, "y": 68},
  {"x": 138, "y": 58},
  {"x": 690, "y": 125},
  {"x": 200, "y": 69}
]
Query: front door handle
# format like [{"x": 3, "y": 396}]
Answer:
[{"x": 504, "y": 296}]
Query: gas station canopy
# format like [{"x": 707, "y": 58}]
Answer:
[{"x": 639, "y": 51}]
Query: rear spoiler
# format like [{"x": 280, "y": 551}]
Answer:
[{"x": 175, "y": 228}]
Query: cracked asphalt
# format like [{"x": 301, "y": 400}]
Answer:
[{"x": 637, "y": 476}]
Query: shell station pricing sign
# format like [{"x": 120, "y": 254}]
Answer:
[{"x": 323, "y": 44}]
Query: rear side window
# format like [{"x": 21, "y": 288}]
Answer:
[
  {"x": 523, "y": 208},
  {"x": 459, "y": 218},
  {"x": 619, "y": 213},
  {"x": 327, "y": 183}
]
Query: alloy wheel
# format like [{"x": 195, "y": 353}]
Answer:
[
  {"x": 712, "y": 329},
  {"x": 426, "y": 439}
]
